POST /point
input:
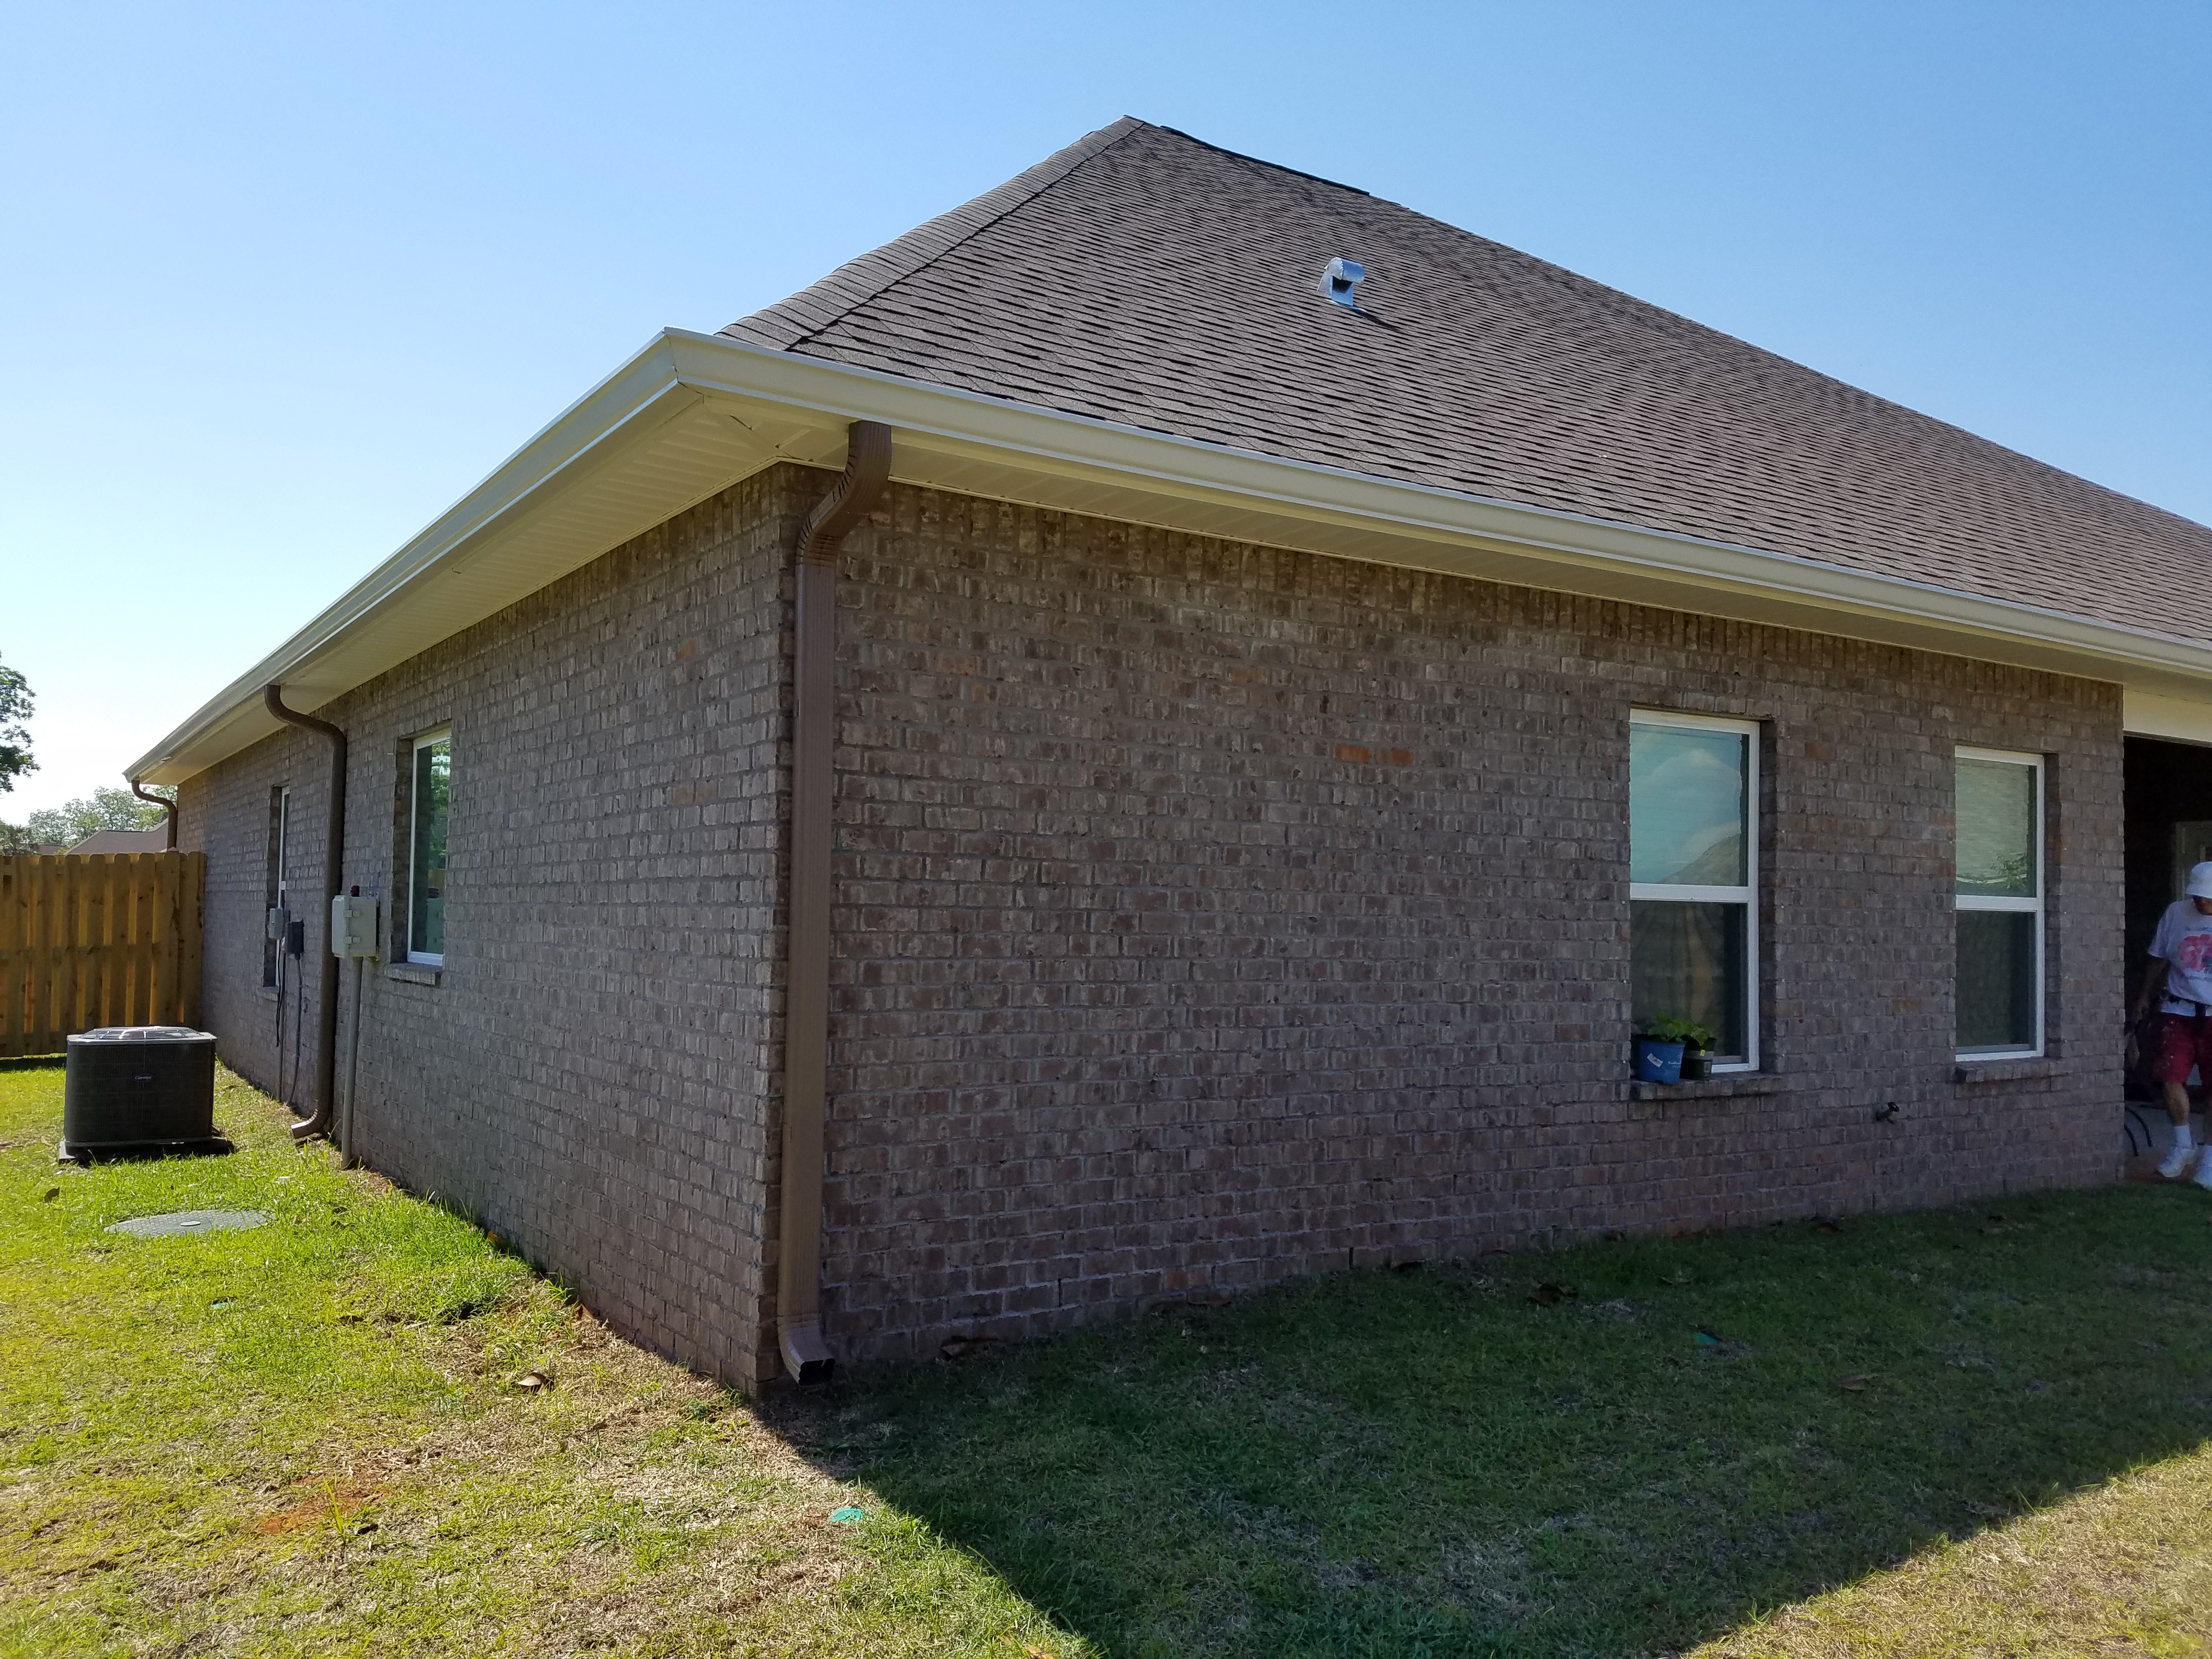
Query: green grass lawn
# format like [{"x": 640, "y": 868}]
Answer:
[
  {"x": 1972, "y": 1432},
  {"x": 305, "y": 1439}
]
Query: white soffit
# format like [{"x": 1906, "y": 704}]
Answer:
[
  {"x": 2183, "y": 720},
  {"x": 694, "y": 414}
]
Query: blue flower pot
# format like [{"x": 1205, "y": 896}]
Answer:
[{"x": 1658, "y": 1061}]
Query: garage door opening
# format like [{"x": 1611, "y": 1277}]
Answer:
[{"x": 2169, "y": 828}]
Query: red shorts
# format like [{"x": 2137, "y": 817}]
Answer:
[{"x": 2183, "y": 1041}]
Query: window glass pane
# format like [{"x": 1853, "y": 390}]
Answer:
[
  {"x": 1996, "y": 979},
  {"x": 1996, "y": 829},
  {"x": 1688, "y": 960},
  {"x": 426, "y": 878},
  {"x": 1686, "y": 805}
]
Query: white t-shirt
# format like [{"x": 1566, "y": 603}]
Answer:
[{"x": 2184, "y": 941}]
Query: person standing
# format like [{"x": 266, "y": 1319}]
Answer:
[{"x": 2179, "y": 974}]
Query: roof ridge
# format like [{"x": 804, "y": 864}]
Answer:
[
  {"x": 798, "y": 317},
  {"x": 1275, "y": 166}
]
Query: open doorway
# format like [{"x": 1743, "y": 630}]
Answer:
[{"x": 2169, "y": 828}]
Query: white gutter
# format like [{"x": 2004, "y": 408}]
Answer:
[
  {"x": 1186, "y": 466},
  {"x": 615, "y": 452}
]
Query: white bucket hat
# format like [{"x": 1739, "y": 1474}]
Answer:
[{"x": 2200, "y": 880}]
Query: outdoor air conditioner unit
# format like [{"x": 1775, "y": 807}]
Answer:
[{"x": 139, "y": 1090}]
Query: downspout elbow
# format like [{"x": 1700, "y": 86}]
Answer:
[
  {"x": 318, "y": 1120},
  {"x": 167, "y": 806},
  {"x": 853, "y": 497}
]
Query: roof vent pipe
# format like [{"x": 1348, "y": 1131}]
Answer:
[
  {"x": 1339, "y": 278},
  {"x": 318, "y": 1122},
  {"x": 806, "y": 1355}
]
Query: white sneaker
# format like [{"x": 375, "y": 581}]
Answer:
[
  {"x": 2204, "y": 1173},
  {"x": 2175, "y": 1160}
]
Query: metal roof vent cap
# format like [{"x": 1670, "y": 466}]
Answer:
[{"x": 1339, "y": 278}]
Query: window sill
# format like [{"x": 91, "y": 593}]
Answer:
[
  {"x": 413, "y": 973},
  {"x": 1724, "y": 1087},
  {"x": 2004, "y": 1071}
]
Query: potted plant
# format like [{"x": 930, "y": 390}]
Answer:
[
  {"x": 1697, "y": 1051},
  {"x": 1671, "y": 1050}
]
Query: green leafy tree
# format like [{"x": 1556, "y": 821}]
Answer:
[
  {"x": 104, "y": 809},
  {"x": 14, "y": 742},
  {"x": 15, "y": 839}
]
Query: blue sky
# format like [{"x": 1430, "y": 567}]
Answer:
[{"x": 281, "y": 283}]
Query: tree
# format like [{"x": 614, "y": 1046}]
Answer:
[
  {"x": 104, "y": 809},
  {"x": 14, "y": 742}
]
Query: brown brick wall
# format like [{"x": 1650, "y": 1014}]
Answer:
[
  {"x": 1206, "y": 914},
  {"x": 226, "y": 812},
  {"x": 590, "y": 1076},
  {"x": 1211, "y": 914}
]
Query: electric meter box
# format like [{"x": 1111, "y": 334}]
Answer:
[{"x": 353, "y": 926}]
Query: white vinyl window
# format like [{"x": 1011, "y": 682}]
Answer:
[
  {"x": 2000, "y": 884},
  {"x": 1694, "y": 877},
  {"x": 431, "y": 772}
]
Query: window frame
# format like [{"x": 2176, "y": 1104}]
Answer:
[
  {"x": 2038, "y": 905},
  {"x": 1746, "y": 895},
  {"x": 416, "y": 745}
]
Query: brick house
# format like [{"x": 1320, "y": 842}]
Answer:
[{"x": 1083, "y": 758}]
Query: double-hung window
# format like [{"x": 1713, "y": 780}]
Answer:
[
  {"x": 431, "y": 776},
  {"x": 2000, "y": 882},
  {"x": 1694, "y": 877}
]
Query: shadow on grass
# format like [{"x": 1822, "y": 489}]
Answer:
[{"x": 1428, "y": 1462}]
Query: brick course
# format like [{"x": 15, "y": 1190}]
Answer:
[{"x": 1206, "y": 914}]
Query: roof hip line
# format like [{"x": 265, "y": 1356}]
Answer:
[{"x": 822, "y": 305}]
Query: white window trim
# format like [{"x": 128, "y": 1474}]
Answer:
[
  {"x": 1981, "y": 902},
  {"x": 1746, "y": 895},
  {"x": 444, "y": 734}
]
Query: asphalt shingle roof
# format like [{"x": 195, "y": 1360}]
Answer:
[{"x": 1144, "y": 277}]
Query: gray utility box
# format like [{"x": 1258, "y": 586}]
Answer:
[{"x": 139, "y": 1090}]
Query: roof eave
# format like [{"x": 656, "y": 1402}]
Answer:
[{"x": 692, "y": 414}]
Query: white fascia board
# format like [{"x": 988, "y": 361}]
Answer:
[
  {"x": 692, "y": 414},
  {"x": 2180, "y": 719}
]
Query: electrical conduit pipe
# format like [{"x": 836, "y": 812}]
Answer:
[
  {"x": 807, "y": 1357},
  {"x": 318, "y": 1121}
]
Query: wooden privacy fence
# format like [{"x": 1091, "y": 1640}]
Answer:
[{"x": 97, "y": 938}]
